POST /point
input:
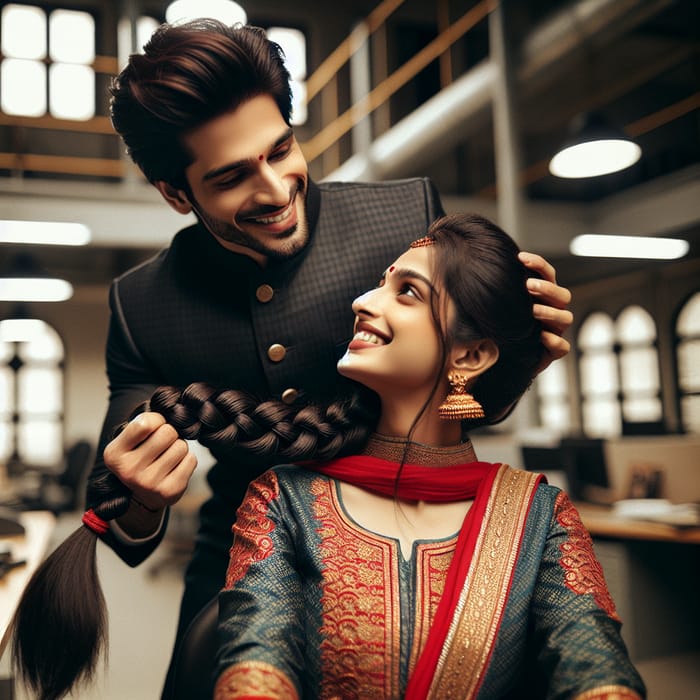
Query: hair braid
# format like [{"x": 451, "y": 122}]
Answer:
[
  {"x": 218, "y": 419},
  {"x": 230, "y": 418}
]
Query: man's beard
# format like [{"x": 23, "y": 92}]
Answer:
[{"x": 292, "y": 241}]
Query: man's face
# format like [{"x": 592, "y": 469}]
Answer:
[{"x": 248, "y": 180}]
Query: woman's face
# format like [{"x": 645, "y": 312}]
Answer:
[{"x": 396, "y": 350}]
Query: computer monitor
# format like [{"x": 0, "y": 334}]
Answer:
[
  {"x": 537, "y": 458},
  {"x": 585, "y": 464},
  {"x": 548, "y": 460}
]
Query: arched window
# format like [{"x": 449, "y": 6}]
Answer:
[
  {"x": 688, "y": 356},
  {"x": 31, "y": 396},
  {"x": 600, "y": 381},
  {"x": 619, "y": 370},
  {"x": 47, "y": 62},
  {"x": 639, "y": 366},
  {"x": 553, "y": 393}
]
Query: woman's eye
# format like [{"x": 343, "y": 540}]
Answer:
[{"x": 408, "y": 290}]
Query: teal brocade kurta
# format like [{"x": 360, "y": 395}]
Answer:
[{"x": 317, "y": 606}]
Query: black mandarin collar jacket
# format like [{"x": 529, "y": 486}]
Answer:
[{"x": 196, "y": 311}]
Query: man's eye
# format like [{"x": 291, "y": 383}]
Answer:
[
  {"x": 281, "y": 152},
  {"x": 230, "y": 181}
]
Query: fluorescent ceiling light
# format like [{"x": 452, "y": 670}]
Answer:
[
  {"x": 20, "y": 330},
  {"x": 647, "y": 247},
  {"x": 34, "y": 289},
  {"x": 226, "y": 11},
  {"x": 44, "y": 232}
]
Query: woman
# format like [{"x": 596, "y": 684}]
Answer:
[
  {"x": 414, "y": 570},
  {"x": 410, "y": 569}
]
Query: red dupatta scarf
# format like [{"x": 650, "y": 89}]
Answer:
[
  {"x": 472, "y": 480},
  {"x": 407, "y": 482}
]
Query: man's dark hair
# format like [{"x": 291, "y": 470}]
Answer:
[{"x": 187, "y": 75}]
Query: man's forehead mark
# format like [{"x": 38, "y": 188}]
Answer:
[
  {"x": 392, "y": 268},
  {"x": 216, "y": 172}
]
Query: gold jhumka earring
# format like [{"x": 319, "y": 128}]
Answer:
[{"x": 459, "y": 404}]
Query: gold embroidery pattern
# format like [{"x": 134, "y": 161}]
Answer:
[
  {"x": 480, "y": 606},
  {"x": 582, "y": 571},
  {"x": 254, "y": 678},
  {"x": 252, "y": 529},
  {"x": 432, "y": 563},
  {"x": 609, "y": 692},
  {"x": 361, "y": 607}
]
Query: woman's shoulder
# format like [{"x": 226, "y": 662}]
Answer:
[
  {"x": 292, "y": 477},
  {"x": 546, "y": 496},
  {"x": 552, "y": 503},
  {"x": 544, "y": 491}
]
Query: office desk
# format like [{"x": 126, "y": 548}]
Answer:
[
  {"x": 652, "y": 571},
  {"x": 602, "y": 522},
  {"x": 32, "y": 546}
]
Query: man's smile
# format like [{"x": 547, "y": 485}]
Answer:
[{"x": 275, "y": 219}]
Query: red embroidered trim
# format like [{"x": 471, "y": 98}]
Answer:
[
  {"x": 361, "y": 608},
  {"x": 583, "y": 572},
  {"x": 252, "y": 541},
  {"x": 432, "y": 564}
]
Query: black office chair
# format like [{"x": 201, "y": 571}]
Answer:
[
  {"x": 58, "y": 492},
  {"x": 194, "y": 663}
]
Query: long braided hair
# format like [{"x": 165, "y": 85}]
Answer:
[
  {"x": 219, "y": 419},
  {"x": 60, "y": 626}
]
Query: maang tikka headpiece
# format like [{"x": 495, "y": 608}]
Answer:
[{"x": 422, "y": 242}]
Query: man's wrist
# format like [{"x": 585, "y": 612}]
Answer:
[
  {"x": 135, "y": 501},
  {"x": 140, "y": 521}
]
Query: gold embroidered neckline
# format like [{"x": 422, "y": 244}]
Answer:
[{"x": 395, "y": 449}]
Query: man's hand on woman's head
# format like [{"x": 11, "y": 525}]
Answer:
[{"x": 550, "y": 307}]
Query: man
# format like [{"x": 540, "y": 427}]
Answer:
[{"x": 257, "y": 294}]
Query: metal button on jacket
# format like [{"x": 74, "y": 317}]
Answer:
[
  {"x": 264, "y": 293},
  {"x": 289, "y": 396},
  {"x": 276, "y": 352}
]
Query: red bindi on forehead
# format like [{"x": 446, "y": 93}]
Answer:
[
  {"x": 260, "y": 157},
  {"x": 392, "y": 268}
]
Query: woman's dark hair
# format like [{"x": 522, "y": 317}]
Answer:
[
  {"x": 187, "y": 75},
  {"x": 60, "y": 626},
  {"x": 477, "y": 265},
  {"x": 235, "y": 419}
]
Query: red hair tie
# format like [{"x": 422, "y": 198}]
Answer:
[{"x": 94, "y": 522}]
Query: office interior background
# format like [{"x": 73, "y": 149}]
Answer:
[{"x": 476, "y": 94}]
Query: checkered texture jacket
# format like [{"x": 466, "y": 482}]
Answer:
[{"x": 191, "y": 312}]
